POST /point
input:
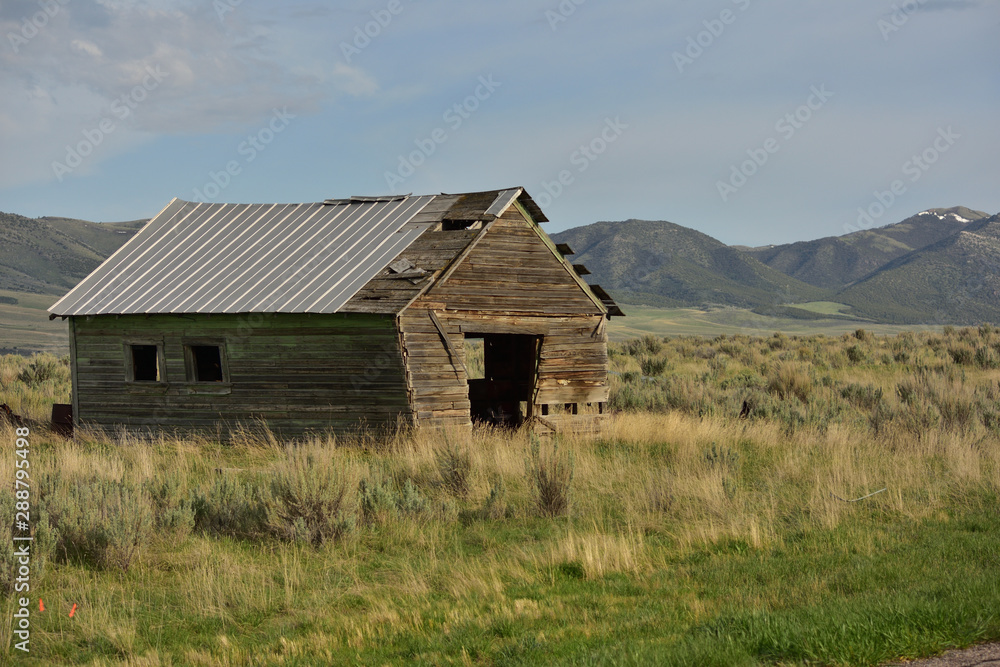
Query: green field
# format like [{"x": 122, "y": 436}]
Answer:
[
  {"x": 640, "y": 320},
  {"x": 682, "y": 535},
  {"x": 26, "y": 325},
  {"x": 823, "y": 307}
]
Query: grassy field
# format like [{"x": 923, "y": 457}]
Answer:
[
  {"x": 641, "y": 320},
  {"x": 823, "y": 307},
  {"x": 25, "y": 325},
  {"x": 683, "y": 535}
]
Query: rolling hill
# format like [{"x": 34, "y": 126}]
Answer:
[
  {"x": 836, "y": 261},
  {"x": 40, "y": 260},
  {"x": 941, "y": 266},
  {"x": 663, "y": 264},
  {"x": 953, "y": 281},
  {"x": 51, "y": 255}
]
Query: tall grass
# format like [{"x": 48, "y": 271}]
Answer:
[
  {"x": 682, "y": 534},
  {"x": 30, "y": 385},
  {"x": 894, "y": 384}
]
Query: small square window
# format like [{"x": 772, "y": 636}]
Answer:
[
  {"x": 206, "y": 363},
  {"x": 145, "y": 363}
]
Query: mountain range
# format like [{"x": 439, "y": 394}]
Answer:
[{"x": 940, "y": 266}]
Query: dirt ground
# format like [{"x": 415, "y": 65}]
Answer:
[{"x": 986, "y": 655}]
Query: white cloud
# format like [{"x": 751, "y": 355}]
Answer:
[
  {"x": 65, "y": 73},
  {"x": 86, "y": 47}
]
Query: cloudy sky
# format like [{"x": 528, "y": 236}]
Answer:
[{"x": 753, "y": 121}]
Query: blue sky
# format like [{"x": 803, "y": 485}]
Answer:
[{"x": 753, "y": 121}]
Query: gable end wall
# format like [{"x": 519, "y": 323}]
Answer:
[{"x": 509, "y": 283}]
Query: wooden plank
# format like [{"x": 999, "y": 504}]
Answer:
[
  {"x": 571, "y": 394},
  {"x": 299, "y": 370},
  {"x": 455, "y": 357}
]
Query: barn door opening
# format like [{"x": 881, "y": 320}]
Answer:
[{"x": 502, "y": 392}]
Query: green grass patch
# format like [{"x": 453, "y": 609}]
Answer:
[
  {"x": 25, "y": 327},
  {"x": 828, "y": 597},
  {"x": 823, "y": 307},
  {"x": 640, "y": 320}
]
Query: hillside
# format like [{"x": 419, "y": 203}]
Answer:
[
  {"x": 663, "y": 264},
  {"x": 956, "y": 280},
  {"x": 940, "y": 266},
  {"x": 50, "y": 255},
  {"x": 836, "y": 261}
]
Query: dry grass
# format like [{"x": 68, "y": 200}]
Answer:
[{"x": 438, "y": 566}]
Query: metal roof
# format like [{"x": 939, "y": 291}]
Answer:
[
  {"x": 268, "y": 258},
  {"x": 243, "y": 258}
]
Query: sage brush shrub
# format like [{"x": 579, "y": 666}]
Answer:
[
  {"x": 313, "y": 501},
  {"x": 863, "y": 396},
  {"x": 173, "y": 505},
  {"x": 495, "y": 506},
  {"x": 788, "y": 380},
  {"x": 653, "y": 365},
  {"x": 986, "y": 358},
  {"x": 101, "y": 521},
  {"x": 411, "y": 502},
  {"x": 380, "y": 502},
  {"x": 232, "y": 507},
  {"x": 855, "y": 354},
  {"x": 957, "y": 412},
  {"x": 963, "y": 355},
  {"x": 454, "y": 466},
  {"x": 550, "y": 475},
  {"x": 43, "y": 368},
  {"x": 377, "y": 502},
  {"x": 648, "y": 344}
]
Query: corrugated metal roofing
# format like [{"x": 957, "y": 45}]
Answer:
[{"x": 244, "y": 258}]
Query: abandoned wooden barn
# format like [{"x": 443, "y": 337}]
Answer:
[{"x": 351, "y": 313}]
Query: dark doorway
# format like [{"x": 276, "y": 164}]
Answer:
[{"x": 503, "y": 396}]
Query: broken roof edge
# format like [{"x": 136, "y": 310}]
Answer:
[
  {"x": 532, "y": 207},
  {"x": 357, "y": 199},
  {"x": 505, "y": 198}
]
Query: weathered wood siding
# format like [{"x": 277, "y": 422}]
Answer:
[
  {"x": 510, "y": 282},
  {"x": 512, "y": 269},
  {"x": 438, "y": 382},
  {"x": 298, "y": 373}
]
